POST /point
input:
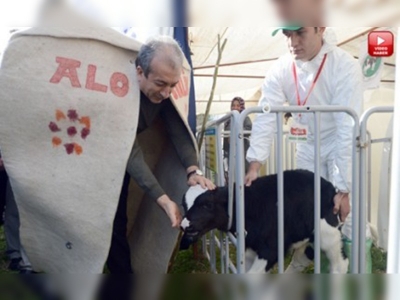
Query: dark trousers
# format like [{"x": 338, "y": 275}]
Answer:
[
  {"x": 119, "y": 284},
  {"x": 3, "y": 190},
  {"x": 119, "y": 258}
]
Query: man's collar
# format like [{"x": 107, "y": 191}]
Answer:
[{"x": 316, "y": 61}]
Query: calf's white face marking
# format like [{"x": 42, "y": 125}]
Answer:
[
  {"x": 192, "y": 193},
  {"x": 190, "y": 196},
  {"x": 185, "y": 224}
]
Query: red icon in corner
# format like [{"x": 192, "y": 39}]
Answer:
[{"x": 381, "y": 43}]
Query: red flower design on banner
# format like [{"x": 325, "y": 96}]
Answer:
[{"x": 74, "y": 128}]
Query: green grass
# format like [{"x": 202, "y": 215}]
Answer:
[
  {"x": 185, "y": 263},
  {"x": 3, "y": 256}
]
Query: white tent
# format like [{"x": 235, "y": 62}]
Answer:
[{"x": 250, "y": 52}]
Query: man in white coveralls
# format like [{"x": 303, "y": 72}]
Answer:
[{"x": 315, "y": 72}]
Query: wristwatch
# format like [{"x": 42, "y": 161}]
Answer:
[{"x": 197, "y": 172}]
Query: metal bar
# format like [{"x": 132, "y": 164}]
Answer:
[
  {"x": 236, "y": 63},
  {"x": 220, "y": 157},
  {"x": 232, "y": 239},
  {"x": 240, "y": 207},
  {"x": 292, "y": 156},
  {"x": 231, "y": 76},
  {"x": 357, "y": 36},
  {"x": 369, "y": 177},
  {"x": 257, "y": 77},
  {"x": 382, "y": 140},
  {"x": 363, "y": 182},
  {"x": 287, "y": 153},
  {"x": 220, "y": 121},
  {"x": 305, "y": 109},
  {"x": 204, "y": 243},
  {"x": 227, "y": 251},
  {"x": 213, "y": 260},
  {"x": 233, "y": 269},
  {"x": 317, "y": 192},
  {"x": 232, "y": 166},
  {"x": 393, "y": 263},
  {"x": 363, "y": 179},
  {"x": 281, "y": 220},
  {"x": 222, "y": 251},
  {"x": 355, "y": 200}
]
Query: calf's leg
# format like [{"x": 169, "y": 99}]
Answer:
[
  {"x": 300, "y": 261},
  {"x": 331, "y": 244},
  {"x": 250, "y": 258},
  {"x": 258, "y": 266}
]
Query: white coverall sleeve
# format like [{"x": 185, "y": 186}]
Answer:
[
  {"x": 264, "y": 125},
  {"x": 348, "y": 92}
]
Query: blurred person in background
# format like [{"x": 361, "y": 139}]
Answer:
[{"x": 239, "y": 105}]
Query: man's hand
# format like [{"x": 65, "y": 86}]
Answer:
[
  {"x": 342, "y": 205},
  {"x": 198, "y": 179},
  {"x": 1, "y": 165},
  {"x": 171, "y": 209},
  {"x": 204, "y": 182},
  {"x": 252, "y": 173}
]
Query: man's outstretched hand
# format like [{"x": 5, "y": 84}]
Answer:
[{"x": 171, "y": 209}]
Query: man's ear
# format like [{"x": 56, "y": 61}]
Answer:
[
  {"x": 139, "y": 71},
  {"x": 321, "y": 30}
]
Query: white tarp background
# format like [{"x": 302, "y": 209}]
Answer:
[
  {"x": 251, "y": 44},
  {"x": 69, "y": 109}
]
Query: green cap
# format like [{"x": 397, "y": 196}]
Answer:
[{"x": 284, "y": 28}]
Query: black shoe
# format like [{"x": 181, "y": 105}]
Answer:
[{"x": 14, "y": 264}]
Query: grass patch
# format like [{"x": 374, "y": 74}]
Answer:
[
  {"x": 185, "y": 263},
  {"x": 3, "y": 256}
]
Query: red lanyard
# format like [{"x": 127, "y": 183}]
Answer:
[{"x": 313, "y": 85}]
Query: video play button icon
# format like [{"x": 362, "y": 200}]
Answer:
[{"x": 380, "y": 43}]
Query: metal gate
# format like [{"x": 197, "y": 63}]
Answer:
[{"x": 223, "y": 243}]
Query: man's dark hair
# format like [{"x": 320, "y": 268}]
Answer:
[{"x": 162, "y": 44}]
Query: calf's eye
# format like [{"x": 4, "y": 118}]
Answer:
[{"x": 208, "y": 206}]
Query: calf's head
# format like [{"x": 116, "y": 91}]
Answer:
[{"x": 204, "y": 210}]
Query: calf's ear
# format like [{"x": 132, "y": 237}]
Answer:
[{"x": 220, "y": 195}]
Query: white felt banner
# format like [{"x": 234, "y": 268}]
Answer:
[{"x": 69, "y": 102}]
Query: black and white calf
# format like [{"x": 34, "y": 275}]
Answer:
[{"x": 207, "y": 210}]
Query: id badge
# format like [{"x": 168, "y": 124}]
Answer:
[{"x": 298, "y": 132}]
